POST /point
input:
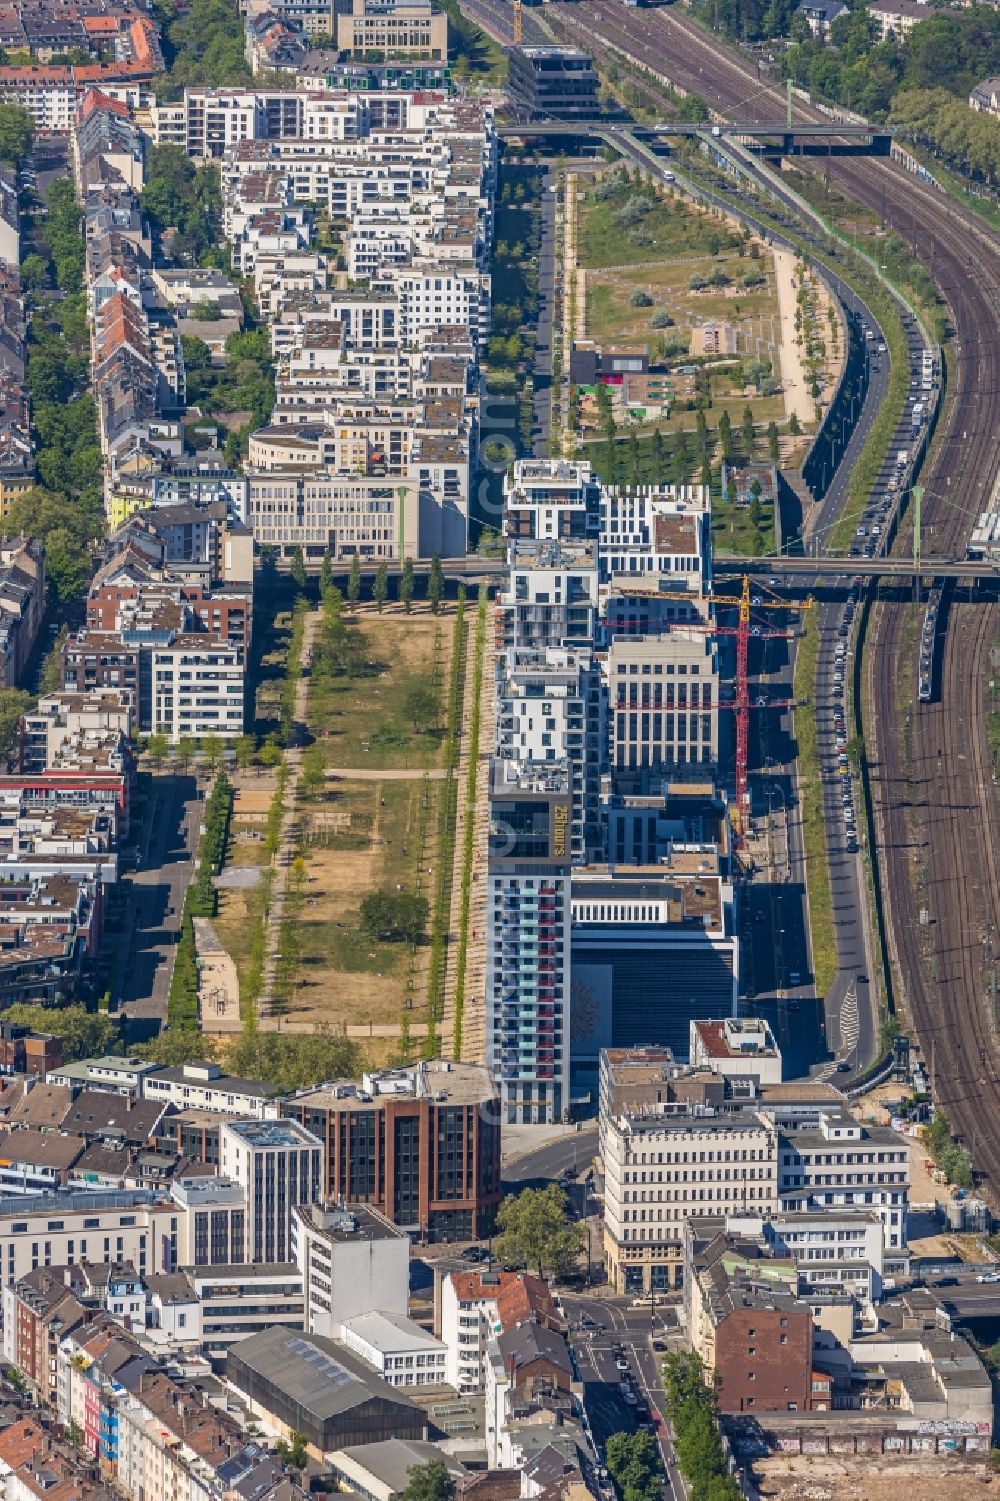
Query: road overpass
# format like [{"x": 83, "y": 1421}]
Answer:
[
  {"x": 877, "y": 138},
  {"x": 789, "y": 566},
  {"x": 877, "y": 568}
]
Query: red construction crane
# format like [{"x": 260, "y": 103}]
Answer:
[{"x": 745, "y": 601}]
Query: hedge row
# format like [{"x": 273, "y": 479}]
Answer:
[
  {"x": 469, "y": 832},
  {"x": 445, "y": 854}
]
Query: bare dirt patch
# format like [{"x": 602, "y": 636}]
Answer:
[{"x": 914, "y": 1477}]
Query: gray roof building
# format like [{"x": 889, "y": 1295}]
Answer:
[{"x": 319, "y": 1388}]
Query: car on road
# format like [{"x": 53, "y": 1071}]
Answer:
[
  {"x": 622, "y": 1364},
  {"x": 988, "y": 1277}
]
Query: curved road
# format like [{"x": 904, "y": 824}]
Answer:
[{"x": 935, "y": 802}]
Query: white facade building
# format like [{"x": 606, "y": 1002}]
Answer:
[
  {"x": 353, "y": 1261},
  {"x": 736, "y": 1047},
  {"x": 197, "y": 689},
  {"x": 401, "y": 1351},
  {"x": 278, "y": 1164}
]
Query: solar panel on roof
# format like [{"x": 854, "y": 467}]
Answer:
[{"x": 331, "y": 1369}]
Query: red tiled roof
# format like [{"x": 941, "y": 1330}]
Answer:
[
  {"x": 518, "y": 1295},
  {"x": 21, "y": 1442}
]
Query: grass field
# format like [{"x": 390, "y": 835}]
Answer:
[
  {"x": 614, "y": 231},
  {"x": 366, "y": 720},
  {"x": 752, "y": 311},
  {"x": 359, "y": 836},
  {"x": 359, "y": 830}
]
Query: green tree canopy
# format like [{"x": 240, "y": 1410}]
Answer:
[
  {"x": 176, "y": 1046},
  {"x": 14, "y": 702},
  {"x": 430, "y": 1482},
  {"x": 85, "y": 1034},
  {"x": 16, "y": 129},
  {"x": 394, "y": 916},
  {"x": 534, "y": 1231},
  {"x": 293, "y": 1062}
]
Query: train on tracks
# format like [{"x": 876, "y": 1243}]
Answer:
[{"x": 928, "y": 642}]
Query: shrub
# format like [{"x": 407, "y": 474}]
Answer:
[
  {"x": 639, "y": 298},
  {"x": 661, "y": 319}
]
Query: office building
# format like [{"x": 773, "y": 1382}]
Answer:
[
  {"x": 662, "y": 1170},
  {"x": 652, "y": 947},
  {"x": 736, "y": 1047},
  {"x": 352, "y": 1262},
  {"x": 278, "y": 1164},
  {"x": 421, "y": 1144},
  {"x": 372, "y": 30},
  {"x": 402, "y": 1352},
  {"x": 560, "y": 82}
]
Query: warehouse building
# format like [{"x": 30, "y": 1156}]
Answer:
[{"x": 303, "y": 1383}]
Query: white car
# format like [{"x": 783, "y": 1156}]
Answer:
[{"x": 988, "y": 1277}]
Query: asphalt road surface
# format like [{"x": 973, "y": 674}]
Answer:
[
  {"x": 631, "y": 1330},
  {"x": 159, "y": 885},
  {"x": 839, "y": 1026},
  {"x": 570, "y": 1153}
]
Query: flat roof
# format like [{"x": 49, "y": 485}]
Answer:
[
  {"x": 392, "y": 1333},
  {"x": 279, "y": 1133}
]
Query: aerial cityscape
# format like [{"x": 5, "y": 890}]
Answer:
[{"x": 499, "y": 750}]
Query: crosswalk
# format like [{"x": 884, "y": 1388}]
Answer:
[
  {"x": 849, "y": 1023},
  {"x": 849, "y": 1026}
]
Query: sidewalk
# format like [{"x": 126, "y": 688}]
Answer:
[
  {"x": 518, "y": 1141},
  {"x": 282, "y": 860},
  {"x": 793, "y": 374}
]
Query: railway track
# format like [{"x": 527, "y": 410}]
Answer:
[{"x": 932, "y": 773}]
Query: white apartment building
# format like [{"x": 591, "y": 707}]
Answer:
[
  {"x": 397, "y": 1347},
  {"x": 657, "y": 534},
  {"x": 203, "y": 1086},
  {"x": 51, "y": 103},
  {"x": 197, "y": 688},
  {"x": 549, "y": 709},
  {"x": 353, "y": 1261},
  {"x": 476, "y": 1307},
  {"x": 551, "y": 500},
  {"x": 551, "y": 597},
  {"x": 661, "y": 1171},
  {"x": 278, "y": 1164}
]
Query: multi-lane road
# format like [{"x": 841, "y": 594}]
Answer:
[{"x": 613, "y": 1350}]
